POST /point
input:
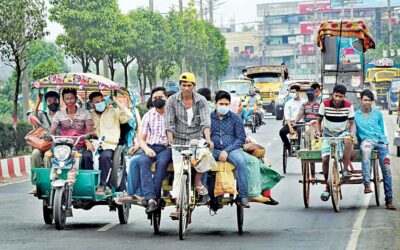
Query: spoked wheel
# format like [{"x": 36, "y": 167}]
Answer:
[
  {"x": 306, "y": 184},
  {"x": 156, "y": 220},
  {"x": 59, "y": 208},
  {"x": 123, "y": 213},
  {"x": 47, "y": 214},
  {"x": 376, "y": 180},
  {"x": 118, "y": 168},
  {"x": 239, "y": 215},
  {"x": 284, "y": 159},
  {"x": 334, "y": 183},
  {"x": 184, "y": 206}
]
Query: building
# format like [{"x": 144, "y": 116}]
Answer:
[{"x": 244, "y": 50}]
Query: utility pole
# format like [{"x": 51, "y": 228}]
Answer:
[
  {"x": 352, "y": 9},
  {"x": 211, "y": 9},
  {"x": 264, "y": 40},
  {"x": 390, "y": 27},
  {"x": 180, "y": 6},
  {"x": 151, "y": 5},
  {"x": 201, "y": 9}
]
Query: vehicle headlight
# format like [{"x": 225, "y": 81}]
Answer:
[{"x": 62, "y": 152}]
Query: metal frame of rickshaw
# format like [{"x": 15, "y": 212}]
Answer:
[{"x": 84, "y": 188}]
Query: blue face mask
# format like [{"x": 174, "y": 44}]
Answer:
[
  {"x": 223, "y": 110},
  {"x": 100, "y": 107}
]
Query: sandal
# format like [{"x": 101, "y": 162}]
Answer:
[
  {"x": 201, "y": 190},
  {"x": 390, "y": 206},
  {"x": 174, "y": 215},
  {"x": 346, "y": 175},
  {"x": 325, "y": 196}
]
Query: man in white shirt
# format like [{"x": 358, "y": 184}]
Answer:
[{"x": 291, "y": 110}]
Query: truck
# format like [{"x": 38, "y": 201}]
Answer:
[{"x": 268, "y": 79}]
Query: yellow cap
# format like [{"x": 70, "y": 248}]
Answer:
[{"x": 187, "y": 77}]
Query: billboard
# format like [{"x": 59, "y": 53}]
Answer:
[
  {"x": 349, "y": 52},
  {"x": 306, "y": 28},
  {"x": 363, "y": 4},
  {"x": 306, "y": 8}
]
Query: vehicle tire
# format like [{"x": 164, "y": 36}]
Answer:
[
  {"x": 239, "y": 215},
  {"x": 279, "y": 115},
  {"x": 183, "y": 206},
  {"x": 47, "y": 214},
  {"x": 59, "y": 208},
  {"x": 306, "y": 184},
  {"x": 123, "y": 213},
  {"x": 334, "y": 183},
  {"x": 118, "y": 168},
  {"x": 156, "y": 220},
  {"x": 398, "y": 151},
  {"x": 376, "y": 181},
  {"x": 284, "y": 159}
]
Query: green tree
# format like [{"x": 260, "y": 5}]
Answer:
[
  {"x": 46, "y": 68},
  {"x": 88, "y": 27},
  {"x": 21, "y": 22},
  {"x": 40, "y": 52}
]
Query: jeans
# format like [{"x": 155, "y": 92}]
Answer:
[
  {"x": 384, "y": 161},
  {"x": 105, "y": 163},
  {"x": 134, "y": 183},
  {"x": 285, "y": 131},
  {"x": 151, "y": 185},
  {"x": 237, "y": 158}
]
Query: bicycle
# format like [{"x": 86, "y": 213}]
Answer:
[{"x": 295, "y": 147}]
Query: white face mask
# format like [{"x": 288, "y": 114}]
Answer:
[{"x": 293, "y": 95}]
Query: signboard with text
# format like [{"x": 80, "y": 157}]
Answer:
[
  {"x": 306, "y": 28},
  {"x": 363, "y": 4},
  {"x": 305, "y": 8}
]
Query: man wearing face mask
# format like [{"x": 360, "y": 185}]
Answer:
[
  {"x": 107, "y": 121},
  {"x": 228, "y": 136},
  {"x": 371, "y": 132},
  {"x": 153, "y": 142},
  {"x": 336, "y": 114},
  {"x": 43, "y": 118},
  {"x": 291, "y": 110}
]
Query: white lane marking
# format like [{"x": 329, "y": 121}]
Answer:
[
  {"x": 107, "y": 227},
  {"x": 357, "y": 226}
]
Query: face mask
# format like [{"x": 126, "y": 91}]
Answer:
[
  {"x": 293, "y": 95},
  {"x": 159, "y": 103},
  {"x": 223, "y": 110},
  {"x": 53, "y": 107},
  {"x": 100, "y": 107},
  {"x": 310, "y": 97},
  {"x": 70, "y": 106}
]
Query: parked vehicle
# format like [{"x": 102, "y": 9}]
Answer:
[{"x": 393, "y": 95}]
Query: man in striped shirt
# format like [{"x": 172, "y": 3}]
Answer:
[{"x": 337, "y": 115}]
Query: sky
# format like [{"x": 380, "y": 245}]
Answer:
[{"x": 242, "y": 11}]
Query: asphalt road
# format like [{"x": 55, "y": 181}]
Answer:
[{"x": 359, "y": 225}]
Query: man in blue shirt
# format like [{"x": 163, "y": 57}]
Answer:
[
  {"x": 228, "y": 136},
  {"x": 371, "y": 133}
]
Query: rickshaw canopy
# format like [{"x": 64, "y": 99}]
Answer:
[
  {"x": 355, "y": 28},
  {"x": 80, "y": 81}
]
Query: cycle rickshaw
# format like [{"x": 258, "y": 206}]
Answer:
[
  {"x": 343, "y": 44},
  {"x": 58, "y": 192}
]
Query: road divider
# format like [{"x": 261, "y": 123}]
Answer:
[{"x": 15, "y": 167}]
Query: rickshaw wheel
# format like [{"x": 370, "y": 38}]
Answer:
[
  {"x": 334, "y": 183},
  {"x": 59, "y": 212},
  {"x": 306, "y": 184},
  {"x": 376, "y": 181},
  {"x": 239, "y": 215},
  {"x": 118, "y": 168},
  {"x": 156, "y": 220},
  {"x": 284, "y": 159},
  {"x": 47, "y": 214},
  {"x": 183, "y": 206},
  {"x": 398, "y": 151},
  {"x": 123, "y": 213}
]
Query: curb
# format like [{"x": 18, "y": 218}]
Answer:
[{"x": 15, "y": 167}]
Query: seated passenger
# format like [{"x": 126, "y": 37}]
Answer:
[
  {"x": 107, "y": 121},
  {"x": 228, "y": 136},
  {"x": 371, "y": 132},
  {"x": 153, "y": 142},
  {"x": 52, "y": 100},
  {"x": 336, "y": 114},
  {"x": 291, "y": 110},
  {"x": 206, "y": 93}
]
